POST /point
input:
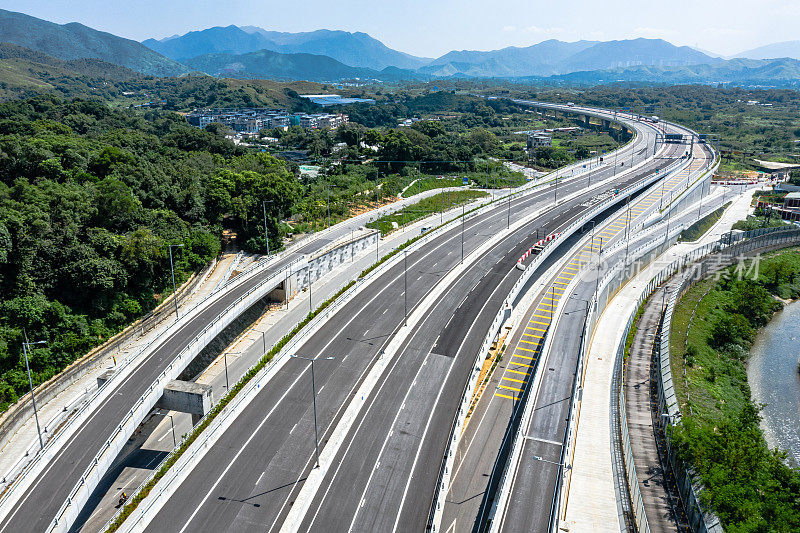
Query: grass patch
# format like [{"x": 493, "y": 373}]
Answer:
[
  {"x": 427, "y": 206},
  {"x": 699, "y": 228},
  {"x": 759, "y": 221}
]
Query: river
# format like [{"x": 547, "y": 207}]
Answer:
[{"x": 774, "y": 380}]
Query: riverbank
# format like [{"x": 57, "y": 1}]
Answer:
[{"x": 747, "y": 483}]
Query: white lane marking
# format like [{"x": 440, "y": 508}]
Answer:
[
  {"x": 439, "y": 395},
  {"x": 242, "y": 449}
]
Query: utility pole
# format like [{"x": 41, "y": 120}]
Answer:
[
  {"x": 172, "y": 268},
  {"x": 25, "y": 345}
]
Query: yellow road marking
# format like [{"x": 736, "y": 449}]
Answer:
[
  {"x": 514, "y": 380},
  {"x": 509, "y": 388},
  {"x": 524, "y": 357},
  {"x": 505, "y": 396}
]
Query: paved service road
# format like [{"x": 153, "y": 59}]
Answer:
[
  {"x": 250, "y": 478},
  {"x": 535, "y": 474}
]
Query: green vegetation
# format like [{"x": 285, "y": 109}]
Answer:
[
  {"x": 759, "y": 221},
  {"x": 90, "y": 200},
  {"x": 91, "y": 197},
  {"x": 748, "y": 485},
  {"x": 427, "y": 206},
  {"x": 428, "y": 184},
  {"x": 699, "y": 228},
  {"x": 250, "y": 374}
]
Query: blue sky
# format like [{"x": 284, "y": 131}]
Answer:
[{"x": 433, "y": 27}]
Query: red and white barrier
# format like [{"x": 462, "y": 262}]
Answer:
[{"x": 540, "y": 242}]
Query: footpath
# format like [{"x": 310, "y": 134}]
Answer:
[{"x": 592, "y": 503}]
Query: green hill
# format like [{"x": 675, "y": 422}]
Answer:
[{"x": 75, "y": 41}]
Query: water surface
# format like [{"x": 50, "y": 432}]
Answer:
[{"x": 774, "y": 380}]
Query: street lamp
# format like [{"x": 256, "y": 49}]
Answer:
[
  {"x": 266, "y": 234},
  {"x": 172, "y": 268},
  {"x": 537, "y": 458},
  {"x": 462, "y": 232},
  {"x": 25, "y": 345},
  {"x": 405, "y": 287},
  {"x": 314, "y": 396}
]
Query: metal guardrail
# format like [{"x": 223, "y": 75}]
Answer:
[
  {"x": 524, "y": 190},
  {"x": 764, "y": 237},
  {"x": 149, "y": 398}
]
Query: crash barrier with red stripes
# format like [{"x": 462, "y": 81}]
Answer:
[{"x": 540, "y": 243}]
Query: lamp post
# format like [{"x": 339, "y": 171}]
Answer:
[
  {"x": 597, "y": 277},
  {"x": 314, "y": 396},
  {"x": 508, "y": 218},
  {"x": 25, "y": 345},
  {"x": 266, "y": 234},
  {"x": 172, "y": 268},
  {"x": 462, "y": 233},
  {"x": 172, "y": 423},
  {"x": 405, "y": 287}
]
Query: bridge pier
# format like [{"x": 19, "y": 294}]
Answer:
[{"x": 186, "y": 397}]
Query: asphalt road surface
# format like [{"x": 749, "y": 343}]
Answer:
[
  {"x": 249, "y": 479},
  {"x": 39, "y": 504},
  {"x": 533, "y": 487}
]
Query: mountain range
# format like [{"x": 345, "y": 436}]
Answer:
[
  {"x": 76, "y": 41},
  {"x": 353, "y": 49},
  {"x": 331, "y": 55},
  {"x": 790, "y": 49}
]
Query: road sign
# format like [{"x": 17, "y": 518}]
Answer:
[{"x": 465, "y": 180}]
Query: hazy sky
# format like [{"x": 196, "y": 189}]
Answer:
[{"x": 433, "y": 27}]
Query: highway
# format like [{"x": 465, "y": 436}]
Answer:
[
  {"x": 487, "y": 437},
  {"x": 40, "y": 502},
  {"x": 535, "y": 474},
  {"x": 251, "y": 477}
]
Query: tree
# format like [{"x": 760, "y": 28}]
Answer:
[{"x": 735, "y": 330}]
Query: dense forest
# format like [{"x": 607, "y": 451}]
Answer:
[{"x": 90, "y": 200}]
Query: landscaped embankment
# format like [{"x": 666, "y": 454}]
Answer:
[{"x": 748, "y": 485}]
